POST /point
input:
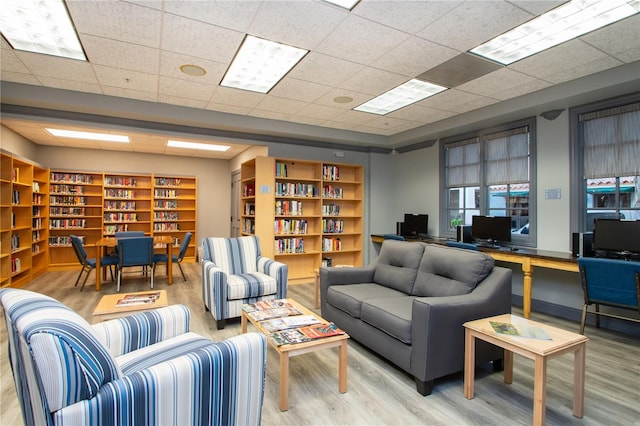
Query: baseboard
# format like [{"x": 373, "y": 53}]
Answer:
[{"x": 572, "y": 314}]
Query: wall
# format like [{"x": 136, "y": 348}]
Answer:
[{"x": 17, "y": 145}]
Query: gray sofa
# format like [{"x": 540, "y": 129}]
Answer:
[{"x": 410, "y": 303}]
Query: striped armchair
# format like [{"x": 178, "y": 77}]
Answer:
[
  {"x": 234, "y": 273},
  {"x": 145, "y": 369}
]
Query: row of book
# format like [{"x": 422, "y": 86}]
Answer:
[
  {"x": 164, "y": 226},
  {"x": 290, "y": 226},
  {"x": 15, "y": 197},
  {"x": 67, "y": 223},
  {"x": 288, "y": 189},
  {"x": 168, "y": 181},
  {"x": 16, "y": 265},
  {"x": 332, "y": 226},
  {"x": 166, "y": 193},
  {"x": 250, "y": 209},
  {"x": 66, "y": 211},
  {"x": 330, "y": 210},
  {"x": 15, "y": 242},
  {"x": 67, "y": 200},
  {"x": 62, "y": 240},
  {"x": 165, "y": 204},
  {"x": 66, "y": 189},
  {"x": 70, "y": 177},
  {"x": 288, "y": 208},
  {"x": 281, "y": 170},
  {"x": 249, "y": 226},
  {"x": 38, "y": 199},
  {"x": 249, "y": 190},
  {"x": 120, "y": 193},
  {"x": 35, "y": 236},
  {"x": 330, "y": 191},
  {"x": 289, "y": 245},
  {"x": 120, "y": 217},
  {"x": 119, "y": 205},
  {"x": 119, "y": 181},
  {"x": 165, "y": 215},
  {"x": 35, "y": 186},
  {"x": 331, "y": 244},
  {"x": 36, "y": 223},
  {"x": 330, "y": 172},
  {"x": 112, "y": 229}
]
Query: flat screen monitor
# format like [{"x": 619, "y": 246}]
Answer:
[
  {"x": 617, "y": 235},
  {"x": 415, "y": 225},
  {"x": 492, "y": 229}
]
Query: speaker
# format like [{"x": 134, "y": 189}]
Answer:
[
  {"x": 463, "y": 234},
  {"x": 399, "y": 228},
  {"x": 582, "y": 244}
]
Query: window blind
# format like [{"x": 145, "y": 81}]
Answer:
[
  {"x": 463, "y": 163},
  {"x": 507, "y": 156}
]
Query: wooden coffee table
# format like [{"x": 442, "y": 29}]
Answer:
[
  {"x": 536, "y": 349},
  {"x": 108, "y": 307},
  {"x": 287, "y": 351}
]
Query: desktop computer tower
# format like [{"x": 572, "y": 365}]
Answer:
[
  {"x": 582, "y": 244},
  {"x": 399, "y": 228},
  {"x": 463, "y": 234}
]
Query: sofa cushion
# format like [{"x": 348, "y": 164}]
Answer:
[
  {"x": 397, "y": 265},
  {"x": 250, "y": 285},
  {"x": 391, "y": 315},
  {"x": 349, "y": 297},
  {"x": 446, "y": 271}
]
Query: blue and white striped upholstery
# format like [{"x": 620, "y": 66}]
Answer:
[
  {"x": 146, "y": 369},
  {"x": 234, "y": 273}
]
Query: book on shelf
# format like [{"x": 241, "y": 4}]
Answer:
[
  {"x": 284, "y": 323},
  {"x": 520, "y": 330},
  {"x": 305, "y": 334},
  {"x": 267, "y": 309},
  {"x": 138, "y": 299}
]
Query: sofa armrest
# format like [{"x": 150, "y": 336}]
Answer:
[
  {"x": 277, "y": 270},
  {"x": 222, "y": 383},
  {"x": 214, "y": 282},
  {"x": 437, "y": 323},
  {"x": 126, "y": 334}
]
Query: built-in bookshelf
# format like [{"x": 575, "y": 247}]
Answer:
[
  {"x": 303, "y": 212},
  {"x": 40, "y": 221},
  {"x": 126, "y": 203},
  {"x": 174, "y": 209}
]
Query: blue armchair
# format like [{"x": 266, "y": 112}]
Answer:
[
  {"x": 609, "y": 282},
  {"x": 235, "y": 273},
  {"x": 145, "y": 369}
]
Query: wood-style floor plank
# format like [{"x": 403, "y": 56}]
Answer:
[{"x": 378, "y": 393}]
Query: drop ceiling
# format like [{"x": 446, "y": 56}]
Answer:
[{"x": 136, "y": 48}]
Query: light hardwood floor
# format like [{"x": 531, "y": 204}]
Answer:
[{"x": 378, "y": 393}]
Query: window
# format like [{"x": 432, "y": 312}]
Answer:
[
  {"x": 489, "y": 173},
  {"x": 606, "y": 160}
]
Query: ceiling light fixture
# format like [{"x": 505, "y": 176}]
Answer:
[
  {"x": 193, "y": 70},
  {"x": 103, "y": 137},
  {"x": 260, "y": 64},
  {"x": 561, "y": 24},
  {"x": 342, "y": 99},
  {"x": 347, "y": 4},
  {"x": 410, "y": 92},
  {"x": 195, "y": 145},
  {"x": 40, "y": 27}
]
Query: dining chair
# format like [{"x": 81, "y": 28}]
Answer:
[
  {"x": 175, "y": 258},
  {"x": 87, "y": 263},
  {"x": 128, "y": 234},
  {"x": 135, "y": 251}
]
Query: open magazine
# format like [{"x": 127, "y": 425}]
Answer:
[
  {"x": 305, "y": 334},
  {"x": 285, "y": 323},
  {"x": 267, "y": 309},
  {"x": 138, "y": 299},
  {"x": 520, "y": 330}
]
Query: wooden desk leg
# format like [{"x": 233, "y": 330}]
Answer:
[
  {"x": 284, "y": 381},
  {"x": 317, "y": 290},
  {"x": 342, "y": 367},
  {"x": 243, "y": 322},
  {"x": 540, "y": 390},
  {"x": 527, "y": 270},
  {"x": 508, "y": 367},
  {"x": 578, "y": 380},
  {"x": 469, "y": 363},
  {"x": 169, "y": 264},
  {"x": 98, "y": 268}
]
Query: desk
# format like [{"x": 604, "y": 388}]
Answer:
[
  {"x": 527, "y": 258},
  {"x": 109, "y": 242}
]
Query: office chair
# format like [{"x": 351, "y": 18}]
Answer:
[
  {"x": 162, "y": 257},
  {"x": 87, "y": 263}
]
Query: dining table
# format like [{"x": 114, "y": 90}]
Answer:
[{"x": 111, "y": 242}]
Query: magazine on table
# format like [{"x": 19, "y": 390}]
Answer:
[
  {"x": 520, "y": 330},
  {"x": 305, "y": 334},
  {"x": 138, "y": 299},
  {"x": 284, "y": 323},
  {"x": 289, "y": 337},
  {"x": 267, "y": 309}
]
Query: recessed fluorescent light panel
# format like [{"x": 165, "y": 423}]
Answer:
[
  {"x": 40, "y": 26},
  {"x": 410, "y": 92},
  {"x": 195, "y": 145},
  {"x": 561, "y": 24},
  {"x": 104, "y": 137},
  {"x": 260, "y": 64},
  {"x": 347, "y": 4}
]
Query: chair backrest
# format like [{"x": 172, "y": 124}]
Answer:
[
  {"x": 135, "y": 251},
  {"x": 233, "y": 255},
  {"x": 129, "y": 234},
  {"x": 55, "y": 357},
  {"x": 78, "y": 248},
  {"x": 185, "y": 245},
  {"x": 612, "y": 282}
]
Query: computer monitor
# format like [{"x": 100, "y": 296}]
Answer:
[
  {"x": 491, "y": 229},
  {"x": 618, "y": 236},
  {"x": 415, "y": 225}
]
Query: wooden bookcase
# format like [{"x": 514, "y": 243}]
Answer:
[
  {"x": 296, "y": 207},
  {"x": 174, "y": 209},
  {"x": 40, "y": 221},
  {"x": 127, "y": 203}
]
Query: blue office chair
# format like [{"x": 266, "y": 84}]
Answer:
[
  {"x": 461, "y": 245},
  {"x": 128, "y": 234},
  {"x": 609, "y": 282},
  {"x": 393, "y": 237},
  {"x": 135, "y": 251},
  {"x": 87, "y": 263},
  {"x": 162, "y": 257}
]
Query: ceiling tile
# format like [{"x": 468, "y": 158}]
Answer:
[
  {"x": 413, "y": 57},
  {"x": 171, "y": 62},
  {"x": 11, "y": 63},
  {"x": 497, "y": 83},
  {"x": 373, "y": 81},
  {"x": 17, "y": 77},
  {"x": 280, "y": 105},
  {"x": 57, "y": 67},
  {"x": 303, "y": 24},
  {"x": 131, "y": 94},
  {"x": 621, "y": 40},
  {"x": 406, "y": 16},
  {"x": 126, "y": 79},
  {"x": 234, "y": 15},
  {"x": 117, "y": 20},
  {"x": 328, "y": 99},
  {"x": 78, "y": 86},
  {"x": 354, "y": 117},
  {"x": 319, "y": 111},
  {"x": 103, "y": 51},
  {"x": 324, "y": 69},
  {"x": 185, "y": 89},
  {"x": 457, "y": 101},
  {"x": 359, "y": 40},
  {"x": 236, "y": 97},
  {"x": 300, "y": 90}
]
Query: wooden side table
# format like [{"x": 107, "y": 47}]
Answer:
[
  {"x": 536, "y": 349},
  {"x": 108, "y": 307}
]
